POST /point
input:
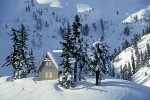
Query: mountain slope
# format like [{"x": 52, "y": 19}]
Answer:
[
  {"x": 143, "y": 75},
  {"x": 34, "y": 14},
  {"x": 111, "y": 89}
]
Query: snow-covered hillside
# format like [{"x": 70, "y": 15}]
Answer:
[
  {"x": 111, "y": 89},
  {"x": 43, "y": 19},
  {"x": 143, "y": 75}
]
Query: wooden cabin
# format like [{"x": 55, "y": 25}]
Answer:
[{"x": 49, "y": 68}]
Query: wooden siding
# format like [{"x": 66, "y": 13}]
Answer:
[{"x": 48, "y": 70}]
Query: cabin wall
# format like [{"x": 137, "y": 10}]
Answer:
[
  {"x": 49, "y": 74},
  {"x": 48, "y": 71}
]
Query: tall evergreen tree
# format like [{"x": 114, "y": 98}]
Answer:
[
  {"x": 66, "y": 81},
  {"x": 138, "y": 58},
  {"x": 76, "y": 39},
  {"x": 133, "y": 64},
  {"x": 121, "y": 72},
  {"x": 148, "y": 54},
  {"x": 100, "y": 59},
  {"x": 18, "y": 57},
  {"x": 23, "y": 38},
  {"x": 129, "y": 71},
  {"x": 31, "y": 63},
  {"x": 83, "y": 59},
  {"x": 113, "y": 71}
]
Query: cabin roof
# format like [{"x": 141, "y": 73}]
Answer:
[{"x": 55, "y": 57}]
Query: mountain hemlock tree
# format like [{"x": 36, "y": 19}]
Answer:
[
  {"x": 121, "y": 72},
  {"x": 67, "y": 79},
  {"x": 30, "y": 63},
  {"x": 76, "y": 39},
  {"x": 85, "y": 30},
  {"x": 137, "y": 54},
  {"x": 148, "y": 54},
  {"x": 13, "y": 58},
  {"x": 83, "y": 58},
  {"x": 18, "y": 57},
  {"x": 23, "y": 38},
  {"x": 133, "y": 64},
  {"x": 100, "y": 59},
  {"x": 129, "y": 71},
  {"x": 113, "y": 71}
]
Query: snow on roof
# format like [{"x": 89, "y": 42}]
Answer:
[
  {"x": 55, "y": 57},
  {"x": 57, "y": 50}
]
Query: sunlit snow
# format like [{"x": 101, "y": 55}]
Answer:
[
  {"x": 53, "y": 3},
  {"x": 83, "y": 7}
]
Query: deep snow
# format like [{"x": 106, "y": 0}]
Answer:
[{"x": 111, "y": 89}]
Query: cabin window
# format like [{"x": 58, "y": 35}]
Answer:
[
  {"x": 47, "y": 64},
  {"x": 48, "y": 75}
]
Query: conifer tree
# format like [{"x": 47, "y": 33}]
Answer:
[
  {"x": 100, "y": 59},
  {"x": 14, "y": 58},
  {"x": 121, "y": 72},
  {"x": 67, "y": 80},
  {"x": 129, "y": 71},
  {"x": 138, "y": 58},
  {"x": 133, "y": 64},
  {"x": 31, "y": 63},
  {"x": 76, "y": 39},
  {"x": 148, "y": 54},
  {"x": 113, "y": 71},
  {"x": 18, "y": 57}
]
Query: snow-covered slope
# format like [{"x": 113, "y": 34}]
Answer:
[
  {"x": 56, "y": 13},
  {"x": 141, "y": 16},
  {"x": 125, "y": 55},
  {"x": 142, "y": 76},
  {"x": 111, "y": 89}
]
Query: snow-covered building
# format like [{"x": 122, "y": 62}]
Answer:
[{"x": 50, "y": 68}]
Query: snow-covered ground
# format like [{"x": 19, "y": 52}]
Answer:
[{"x": 111, "y": 89}]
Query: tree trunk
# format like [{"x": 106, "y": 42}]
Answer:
[
  {"x": 97, "y": 77},
  {"x": 75, "y": 72},
  {"x": 80, "y": 73}
]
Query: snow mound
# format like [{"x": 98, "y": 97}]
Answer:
[
  {"x": 53, "y": 3},
  {"x": 139, "y": 16},
  {"x": 142, "y": 76},
  {"x": 83, "y": 8},
  {"x": 111, "y": 89}
]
